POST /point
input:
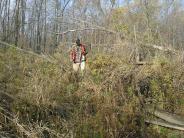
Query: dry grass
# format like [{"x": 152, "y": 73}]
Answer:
[{"x": 50, "y": 100}]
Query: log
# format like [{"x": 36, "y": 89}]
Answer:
[
  {"x": 162, "y": 48},
  {"x": 28, "y": 52},
  {"x": 165, "y": 124},
  {"x": 171, "y": 118}
]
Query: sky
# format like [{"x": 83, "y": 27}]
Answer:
[{"x": 119, "y": 2}]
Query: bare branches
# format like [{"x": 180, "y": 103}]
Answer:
[
  {"x": 85, "y": 29},
  {"x": 14, "y": 120}
]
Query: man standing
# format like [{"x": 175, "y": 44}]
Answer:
[{"x": 78, "y": 56}]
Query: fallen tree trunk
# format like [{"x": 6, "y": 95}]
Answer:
[
  {"x": 42, "y": 56},
  {"x": 165, "y": 124},
  {"x": 162, "y": 48},
  {"x": 171, "y": 118}
]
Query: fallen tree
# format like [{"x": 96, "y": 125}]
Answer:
[{"x": 165, "y": 124}]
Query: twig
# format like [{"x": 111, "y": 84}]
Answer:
[{"x": 20, "y": 127}]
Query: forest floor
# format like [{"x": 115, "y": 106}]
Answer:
[{"x": 108, "y": 101}]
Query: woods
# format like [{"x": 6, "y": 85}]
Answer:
[
  {"x": 34, "y": 24},
  {"x": 132, "y": 86}
]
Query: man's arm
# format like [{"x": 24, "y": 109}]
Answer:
[
  {"x": 84, "y": 50},
  {"x": 72, "y": 52}
]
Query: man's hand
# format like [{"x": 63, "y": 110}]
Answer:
[{"x": 71, "y": 60}]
